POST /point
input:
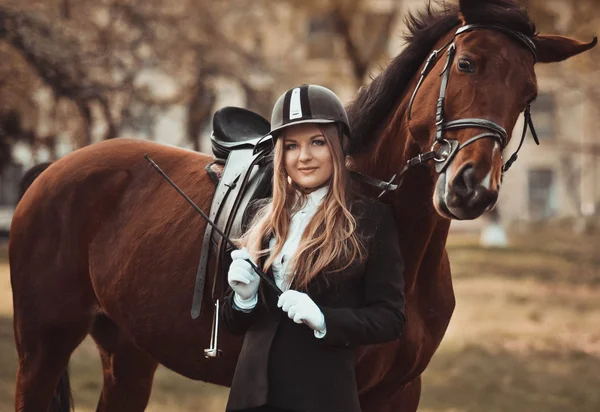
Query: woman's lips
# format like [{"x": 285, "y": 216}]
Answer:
[{"x": 308, "y": 170}]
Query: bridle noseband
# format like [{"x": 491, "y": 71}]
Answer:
[{"x": 448, "y": 148}]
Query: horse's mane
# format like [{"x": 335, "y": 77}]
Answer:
[{"x": 376, "y": 102}]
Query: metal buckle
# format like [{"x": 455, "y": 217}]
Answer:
[
  {"x": 387, "y": 187},
  {"x": 444, "y": 154}
]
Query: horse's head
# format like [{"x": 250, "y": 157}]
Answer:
[{"x": 469, "y": 98}]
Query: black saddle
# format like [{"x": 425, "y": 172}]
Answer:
[
  {"x": 238, "y": 128},
  {"x": 241, "y": 141}
]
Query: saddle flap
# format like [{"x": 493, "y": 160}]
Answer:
[{"x": 255, "y": 182}]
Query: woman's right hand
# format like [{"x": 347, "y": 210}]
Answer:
[{"x": 241, "y": 277}]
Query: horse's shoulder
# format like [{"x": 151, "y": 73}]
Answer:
[
  {"x": 365, "y": 203},
  {"x": 371, "y": 210}
]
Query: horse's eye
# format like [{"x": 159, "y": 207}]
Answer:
[{"x": 465, "y": 65}]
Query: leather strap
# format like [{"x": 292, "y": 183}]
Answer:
[
  {"x": 231, "y": 174},
  {"x": 526, "y": 122},
  {"x": 380, "y": 184},
  {"x": 495, "y": 131},
  {"x": 227, "y": 219},
  {"x": 520, "y": 37},
  {"x": 482, "y": 123}
]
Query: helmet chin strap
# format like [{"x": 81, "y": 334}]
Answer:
[
  {"x": 344, "y": 140},
  {"x": 312, "y": 189}
]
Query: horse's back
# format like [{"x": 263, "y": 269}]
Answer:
[
  {"x": 94, "y": 206},
  {"x": 104, "y": 160}
]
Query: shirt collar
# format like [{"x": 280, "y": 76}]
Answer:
[{"x": 316, "y": 197}]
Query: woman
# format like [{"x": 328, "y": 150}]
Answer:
[{"x": 334, "y": 254}]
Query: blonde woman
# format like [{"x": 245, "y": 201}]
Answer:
[{"x": 333, "y": 253}]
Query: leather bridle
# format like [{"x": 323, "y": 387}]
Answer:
[{"x": 448, "y": 148}]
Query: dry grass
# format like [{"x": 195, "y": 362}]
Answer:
[{"x": 524, "y": 336}]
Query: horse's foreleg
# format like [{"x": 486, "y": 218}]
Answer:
[
  {"x": 128, "y": 371},
  {"x": 392, "y": 397}
]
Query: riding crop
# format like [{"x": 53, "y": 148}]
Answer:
[{"x": 260, "y": 273}]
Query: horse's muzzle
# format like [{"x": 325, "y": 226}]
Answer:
[{"x": 464, "y": 197}]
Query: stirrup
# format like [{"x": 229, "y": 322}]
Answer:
[{"x": 214, "y": 351}]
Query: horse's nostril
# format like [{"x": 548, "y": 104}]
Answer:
[
  {"x": 469, "y": 177},
  {"x": 465, "y": 180},
  {"x": 466, "y": 196}
]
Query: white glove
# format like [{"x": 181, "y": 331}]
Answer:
[
  {"x": 301, "y": 308},
  {"x": 241, "y": 277}
]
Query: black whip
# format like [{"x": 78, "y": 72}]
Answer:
[{"x": 260, "y": 273}]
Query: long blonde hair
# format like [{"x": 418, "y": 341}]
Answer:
[{"x": 330, "y": 242}]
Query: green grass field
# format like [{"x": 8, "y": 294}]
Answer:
[{"x": 525, "y": 335}]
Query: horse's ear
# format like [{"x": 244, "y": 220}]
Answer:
[
  {"x": 554, "y": 48},
  {"x": 468, "y": 6}
]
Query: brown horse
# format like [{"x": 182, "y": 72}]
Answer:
[{"x": 101, "y": 245}]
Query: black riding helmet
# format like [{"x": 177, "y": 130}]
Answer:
[{"x": 309, "y": 103}]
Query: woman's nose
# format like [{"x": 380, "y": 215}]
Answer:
[{"x": 305, "y": 154}]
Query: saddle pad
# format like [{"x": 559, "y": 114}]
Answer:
[{"x": 215, "y": 171}]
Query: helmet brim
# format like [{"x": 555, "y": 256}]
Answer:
[{"x": 305, "y": 121}]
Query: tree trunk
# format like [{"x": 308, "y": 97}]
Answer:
[
  {"x": 86, "y": 117},
  {"x": 199, "y": 111}
]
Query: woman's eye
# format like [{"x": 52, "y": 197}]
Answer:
[
  {"x": 319, "y": 142},
  {"x": 290, "y": 146},
  {"x": 465, "y": 65}
]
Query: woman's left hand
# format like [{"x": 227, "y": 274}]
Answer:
[{"x": 302, "y": 309}]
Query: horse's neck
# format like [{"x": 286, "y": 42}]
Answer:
[{"x": 422, "y": 231}]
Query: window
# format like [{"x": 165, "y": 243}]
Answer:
[
  {"x": 542, "y": 193},
  {"x": 9, "y": 184},
  {"x": 543, "y": 112},
  {"x": 321, "y": 33}
]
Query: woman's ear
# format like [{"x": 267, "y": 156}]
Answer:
[
  {"x": 345, "y": 143},
  {"x": 554, "y": 48}
]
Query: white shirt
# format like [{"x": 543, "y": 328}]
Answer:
[{"x": 298, "y": 224}]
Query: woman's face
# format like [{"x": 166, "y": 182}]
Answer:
[{"x": 307, "y": 157}]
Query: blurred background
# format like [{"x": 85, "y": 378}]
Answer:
[{"x": 525, "y": 332}]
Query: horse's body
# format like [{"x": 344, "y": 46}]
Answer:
[
  {"x": 125, "y": 274},
  {"x": 114, "y": 245},
  {"x": 100, "y": 244}
]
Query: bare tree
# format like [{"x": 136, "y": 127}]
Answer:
[
  {"x": 364, "y": 31},
  {"x": 579, "y": 19},
  {"x": 94, "y": 55},
  {"x": 58, "y": 61},
  {"x": 97, "y": 57}
]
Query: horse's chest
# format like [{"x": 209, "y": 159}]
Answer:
[{"x": 428, "y": 312}]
